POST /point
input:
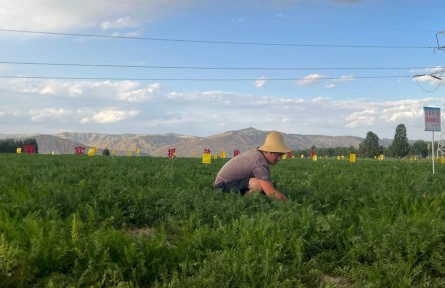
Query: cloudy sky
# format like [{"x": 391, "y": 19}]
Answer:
[{"x": 203, "y": 67}]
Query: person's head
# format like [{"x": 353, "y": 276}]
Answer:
[{"x": 273, "y": 148}]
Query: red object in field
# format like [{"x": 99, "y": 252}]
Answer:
[
  {"x": 236, "y": 152},
  {"x": 171, "y": 152},
  {"x": 289, "y": 154},
  {"x": 79, "y": 150},
  {"x": 29, "y": 149},
  {"x": 207, "y": 151}
]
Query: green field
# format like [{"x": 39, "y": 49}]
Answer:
[{"x": 78, "y": 221}]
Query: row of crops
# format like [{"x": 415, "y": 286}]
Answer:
[{"x": 78, "y": 221}]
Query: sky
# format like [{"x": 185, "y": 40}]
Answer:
[{"x": 204, "y": 67}]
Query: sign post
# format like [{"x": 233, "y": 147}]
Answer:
[{"x": 432, "y": 123}]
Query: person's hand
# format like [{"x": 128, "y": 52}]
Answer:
[{"x": 280, "y": 196}]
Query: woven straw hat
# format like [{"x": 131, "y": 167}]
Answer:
[{"x": 274, "y": 143}]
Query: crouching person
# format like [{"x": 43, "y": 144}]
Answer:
[{"x": 249, "y": 172}]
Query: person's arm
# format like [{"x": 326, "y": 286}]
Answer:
[{"x": 270, "y": 190}]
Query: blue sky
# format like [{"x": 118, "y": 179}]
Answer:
[{"x": 201, "y": 68}]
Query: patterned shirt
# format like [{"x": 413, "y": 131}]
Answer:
[{"x": 250, "y": 164}]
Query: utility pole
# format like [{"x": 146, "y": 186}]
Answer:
[
  {"x": 441, "y": 142},
  {"x": 437, "y": 75}
]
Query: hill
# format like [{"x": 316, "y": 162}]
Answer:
[
  {"x": 185, "y": 145},
  {"x": 251, "y": 137}
]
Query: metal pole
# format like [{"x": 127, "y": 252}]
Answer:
[{"x": 432, "y": 151}]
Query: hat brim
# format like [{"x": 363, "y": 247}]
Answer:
[{"x": 274, "y": 148}]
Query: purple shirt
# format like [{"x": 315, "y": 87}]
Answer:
[{"x": 250, "y": 164}]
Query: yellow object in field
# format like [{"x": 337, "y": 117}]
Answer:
[
  {"x": 314, "y": 158},
  {"x": 92, "y": 152},
  {"x": 206, "y": 158},
  {"x": 19, "y": 150},
  {"x": 222, "y": 154},
  {"x": 352, "y": 158}
]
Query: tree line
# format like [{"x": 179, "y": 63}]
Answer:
[
  {"x": 371, "y": 148},
  {"x": 11, "y": 145}
]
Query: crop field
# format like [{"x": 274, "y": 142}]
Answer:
[{"x": 78, "y": 221}]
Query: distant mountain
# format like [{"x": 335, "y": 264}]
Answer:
[
  {"x": 125, "y": 142},
  {"x": 250, "y": 137},
  {"x": 185, "y": 145}
]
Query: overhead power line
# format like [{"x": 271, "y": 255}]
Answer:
[
  {"x": 213, "y": 42},
  {"x": 209, "y": 68},
  {"x": 200, "y": 79}
]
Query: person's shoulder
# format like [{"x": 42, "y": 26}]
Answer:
[{"x": 253, "y": 151}]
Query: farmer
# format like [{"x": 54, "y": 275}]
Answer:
[{"x": 249, "y": 172}]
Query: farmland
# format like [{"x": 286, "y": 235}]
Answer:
[{"x": 78, "y": 221}]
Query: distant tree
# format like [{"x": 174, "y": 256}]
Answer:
[
  {"x": 8, "y": 146},
  {"x": 326, "y": 151},
  {"x": 420, "y": 149},
  {"x": 106, "y": 152},
  {"x": 370, "y": 148},
  {"x": 11, "y": 145},
  {"x": 400, "y": 145}
]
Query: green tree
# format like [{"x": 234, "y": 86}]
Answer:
[
  {"x": 420, "y": 149},
  {"x": 369, "y": 148},
  {"x": 8, "y": 146},
  {"x": 400, "y": 146}
]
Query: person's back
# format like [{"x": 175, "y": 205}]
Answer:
[
  {"x": 236, "y": 173},
  {"x": 249, "y": 172}
]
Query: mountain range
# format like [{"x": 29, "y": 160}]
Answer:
[{"x": 185, "y": 145}]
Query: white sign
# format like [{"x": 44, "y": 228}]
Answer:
[{"x": 432, "y": 118}]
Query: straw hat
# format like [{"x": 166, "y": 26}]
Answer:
[{"x": 274, "y": 143}]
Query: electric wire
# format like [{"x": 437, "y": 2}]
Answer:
[
  {"x": 213, "y": 42},
  {"x": 201, "y": 79},
  {"x": 210, "y": 68}
]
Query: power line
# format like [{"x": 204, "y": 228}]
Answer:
[
  {"x": 199, "y": 79},
  {"x": 214, "y": 42},
  {"x": 209, "y": 68}
]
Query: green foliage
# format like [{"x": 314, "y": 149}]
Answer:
[
  {"x": 400, "y": 146},
  {"x": 370, "y": 148},
  {"x": 326, "y": 151},
  {"x": 11, "y": 145},
  {"x": 78, "y": 221},
  {"x": 420, "y": 149}
]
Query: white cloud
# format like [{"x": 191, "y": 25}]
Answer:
[
  {"x": 260, "y": 83},
  {"x": 69, "y": 15},
  {"x": 388, "y": 112},
  {"x": 109, "y": 116},
  {"x": 9, "y": 111},
  {"x": 310, "y": 79},
  {"x": 48, "y": 113},
  {"x": 130, "y": 94},
  {"x": 128, "y": 91},
  {"x": 363, "y": 118},
  {"x": 120, "y": 23},
  {"x": 345, "y": 78}
]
